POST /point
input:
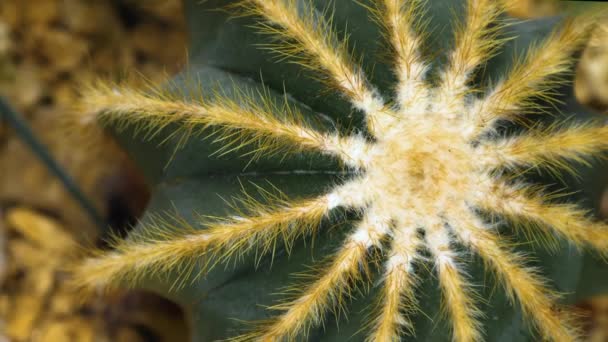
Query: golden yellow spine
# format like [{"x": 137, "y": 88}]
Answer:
[
  {"x": 399, "y": 20},
  {"x": 564, "y": 219},
  {"x": 317, "y": 40},
  {"x": 457, "y": 294},
  {"x": 522, "y": 283},
  {"x": 310, "y": 36},
  {"x": 238, "y": 123},
  {"x": 398, "y": 295},
  {"x": 549, "y": 148},
  {"x": 475, "y": 42},
  {"x": 536, "y": 74},
  {"x": 164, "y": 248},
  {"x": 329, "y": 290},
  {"x": 391, "y": 322}
]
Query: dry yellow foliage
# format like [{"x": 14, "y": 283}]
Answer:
[
  {"x": 592, "y": 75},
  {"x": 51, "y": 46},
  {"x": 533, "y": 8},
  {"x": 595, "y": 313},
  {"x": 36, "y": 303},
  {"x": 46, "y": 47}
]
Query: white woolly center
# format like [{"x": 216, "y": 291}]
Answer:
[{"x": 422, "y": 179}]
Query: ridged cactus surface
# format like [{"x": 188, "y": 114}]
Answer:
[{"x": 387, "y": 165}]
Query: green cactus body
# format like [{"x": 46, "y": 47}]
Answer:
[{"x": 397, "y": 266}]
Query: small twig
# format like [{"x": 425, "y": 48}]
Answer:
[{"x": 27, "y": 136}]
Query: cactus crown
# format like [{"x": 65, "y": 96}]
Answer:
[{"x": 428, "y": 165}]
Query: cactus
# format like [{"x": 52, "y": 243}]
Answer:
[{"x": 408, "y": 166}]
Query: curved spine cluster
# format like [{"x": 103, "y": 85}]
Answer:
[{"x": 420, "y": 182}]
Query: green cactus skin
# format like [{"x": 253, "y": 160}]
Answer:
[{"x": 228, "y": 53}]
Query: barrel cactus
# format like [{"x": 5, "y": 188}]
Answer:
[{"x": 301, "y": 172}]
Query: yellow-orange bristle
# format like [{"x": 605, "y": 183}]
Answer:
[
  {"x": 476, "y": 41},
  {"x": 163, "y": 248},
  {"x": 309, "y": 308},
  {"x": 402, "y": 27},
  {"x": 522, "y": 283},
  {"x": 235, "y": 123},
  {"x": 311, "y": 42},
  {"x": 459, "y": 305},
  {"x": 398, "y": 298},
  {"x": 550, "y": 147},
  {"x": 458, "y": 296},
  {"x": 329, "y": 290},
  {"x": 541, "y": 70},
  {"x": 561, "y": 219}
]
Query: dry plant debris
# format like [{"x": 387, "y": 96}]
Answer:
[
  {"x": 37, "y": 304},
  {"x": 595, "y": 315},
  {"x": 533, "y": 8},
  {"x": 47, "y": 48},
  {"x": 592, "y": 76}
]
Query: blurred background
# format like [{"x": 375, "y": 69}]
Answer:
[{"x": 48, "y": 48}]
